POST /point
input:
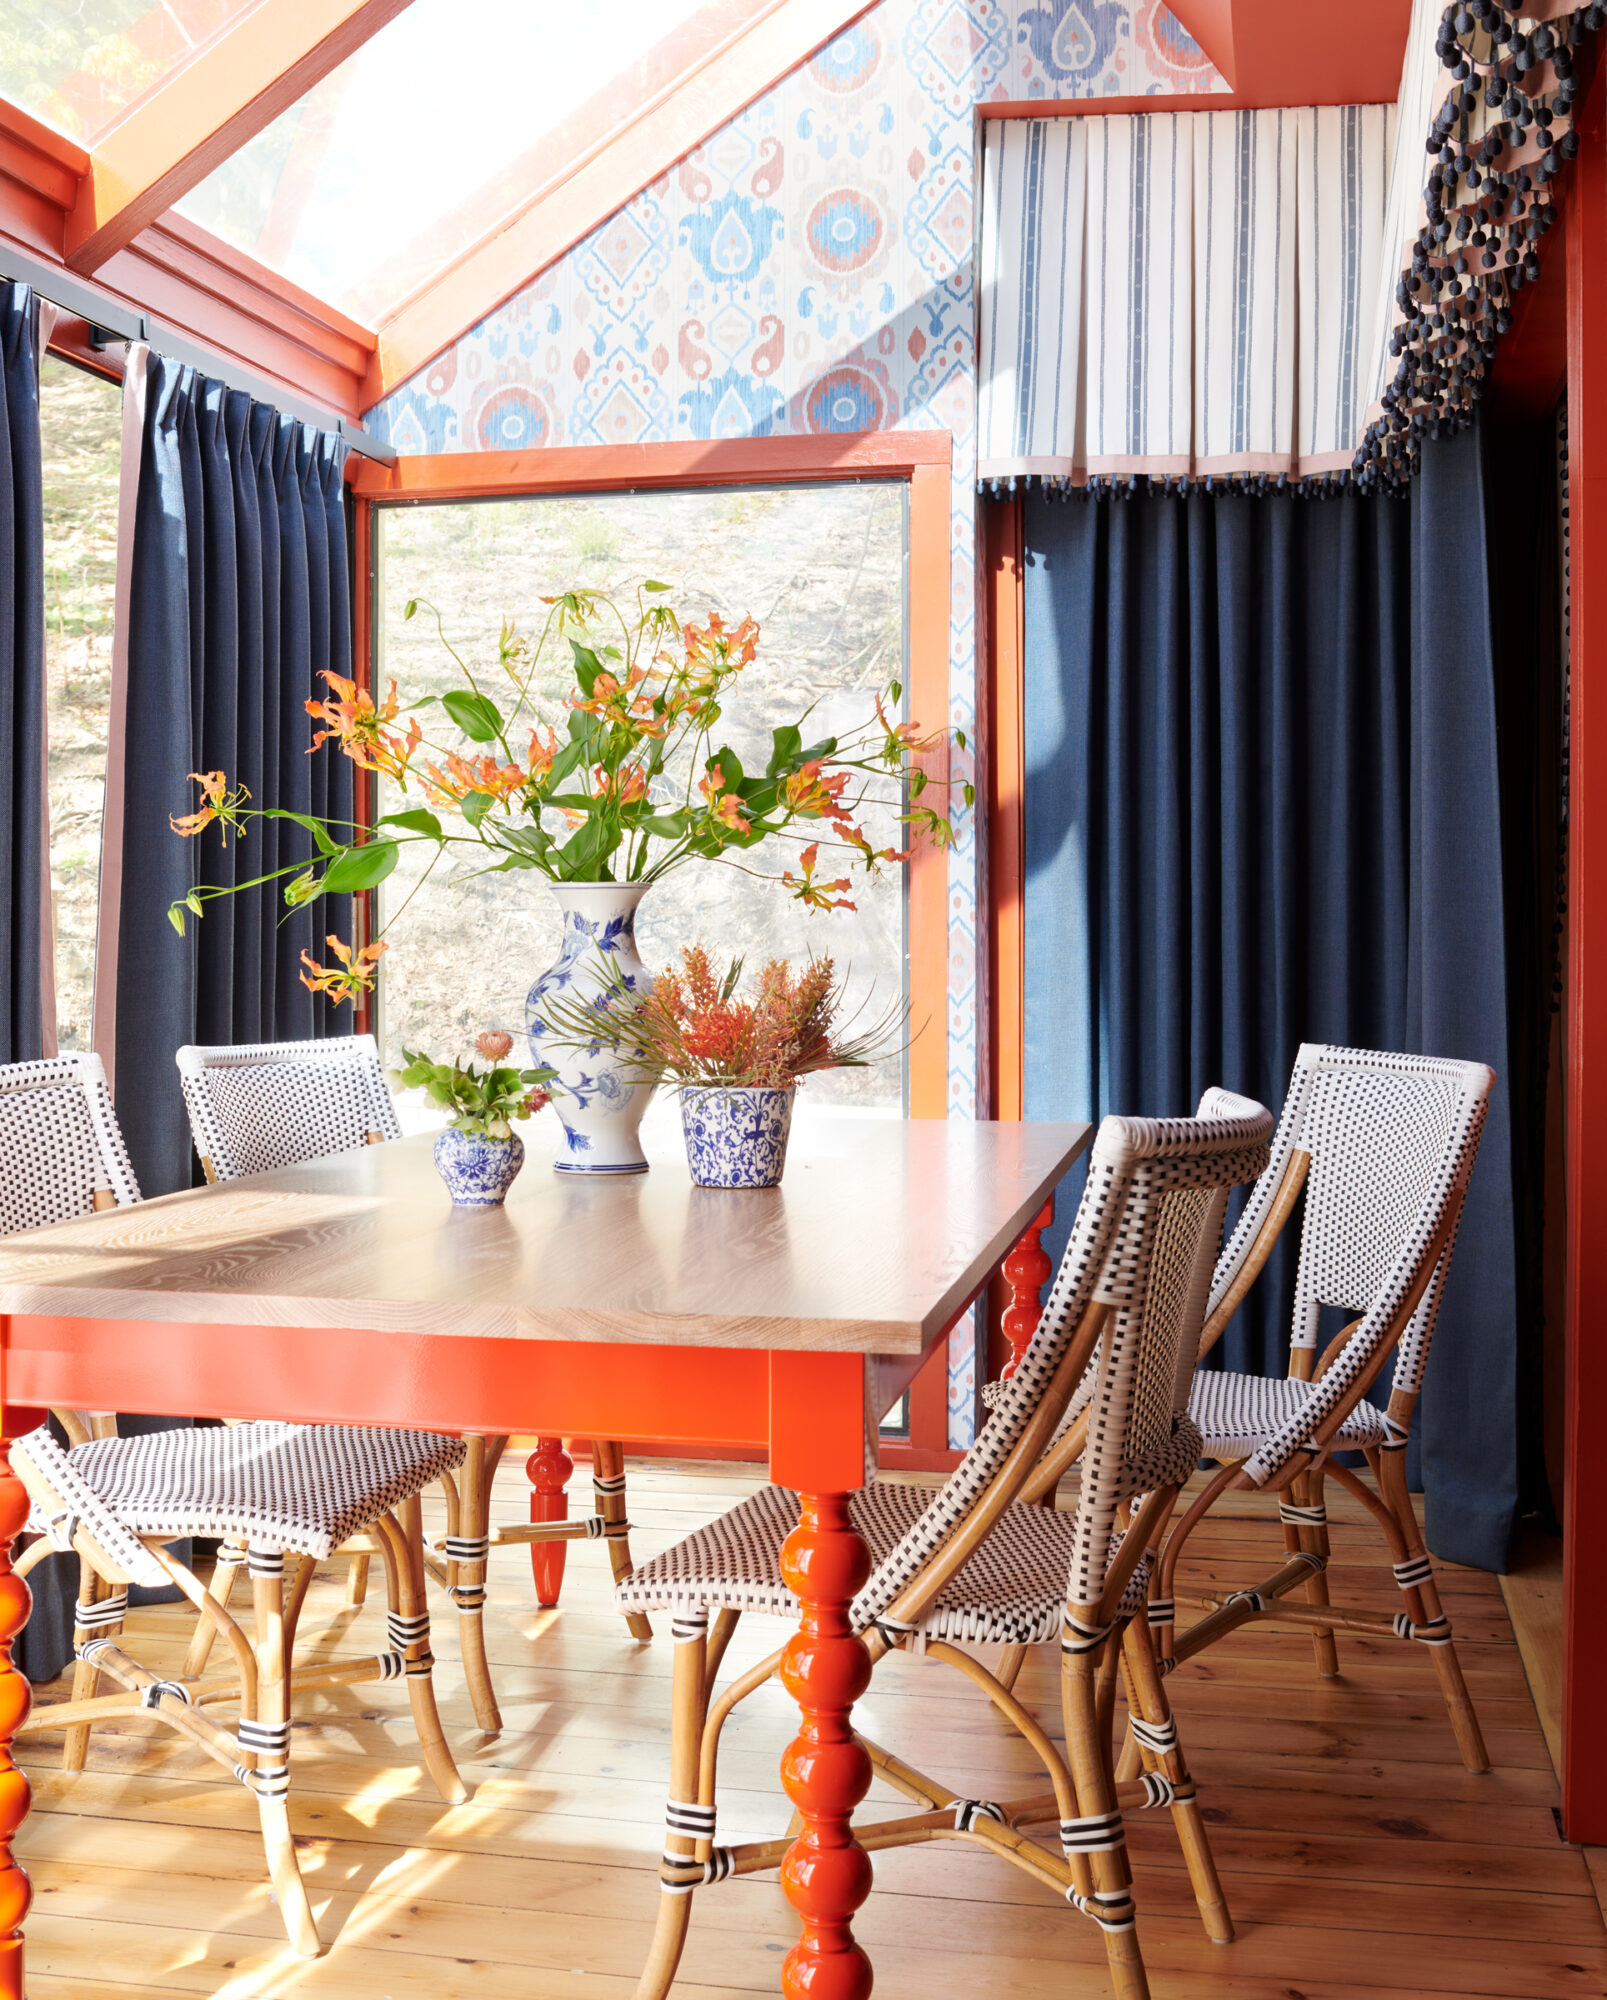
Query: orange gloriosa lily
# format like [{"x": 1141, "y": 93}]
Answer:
[
  {"x": 812, "y": 894},
  {"x": 347, "y": 979},
  {"x": 217, "y": 803},
  {"x": 359, "y": 727}
]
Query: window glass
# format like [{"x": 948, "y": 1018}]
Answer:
[
  {"x": 424, "y": 139},
  {"x": 81, "y": 425},
  {"x": 80, "y": 64},
  {"x": 821, "y": 567}
]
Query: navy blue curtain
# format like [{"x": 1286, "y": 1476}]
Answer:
[
  {"x": 1263, "y": 807},
  {"x": 241, "y": 599},
  {"x": 22, "y": 679}
]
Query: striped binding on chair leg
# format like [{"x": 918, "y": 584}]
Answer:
[
  {"x": 1435, "y": 1632},
  {"x": 468, "y": 1597},
  {"x": 1076, "y": 1637},
  {"x": 267, "y": 1740},
  {"x": 1111, "y": 1909},
  {"x": 1412, "y": 1572},
  {"x": 679, "y": 1876},
  {"x": 109, "y": 1611},
  {"x": 407, "y": 1630},
  {"x": 1095, "y": 1833},
  {"x": 1160, "y": 1791},
  {"x": 968, "y": 1811},
  {"x": 151, "y": 1695},
  {"x": 1396, "y": 1433},
  {"x": 687, "y": 1627},
  {"x": 265, "y": 1562},
  {"x": 1296, "y": 1516},
  {"x": 1160, "y": 1737}
]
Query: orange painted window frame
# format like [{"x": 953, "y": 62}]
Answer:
[{"x": 922, "y": 459}]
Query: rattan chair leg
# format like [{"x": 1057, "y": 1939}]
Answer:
[
  {"x": 228, "y": 1563},
  {"x": 608, "y": 1496},
  {"x": 357, "y": 1581},
  {"x": 92, "y": 1589},
  {"x": 413, "y": 1628},
  {"x": 721, "y": 1633},
  {"x": 1313, "y": 1538},
  {"x": 1011, "y": 1661},
  {"x": 1082, "y": 1678},
  {"x": 686, "y": 1755},
  {"x": 1145, "y": 1685},
  {"x": 1424, "y": 1608},
  {"x": 272, "y": 1774},
  {"x": 473, "y": 1508}
]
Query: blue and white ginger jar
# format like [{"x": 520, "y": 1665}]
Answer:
[
  {"x": 478, "y": 1170},
  {"x": 600, "y": 1111},
  {"x": 736, "y": 1135}
]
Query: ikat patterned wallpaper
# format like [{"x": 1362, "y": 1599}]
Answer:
[{"x": 808, "y": 269}]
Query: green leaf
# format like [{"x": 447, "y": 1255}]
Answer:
[
  {"x": 668, "y": 826},
  {"x": 360, "y": 868},
  {"x": 823, "y": 748},
  {"x": 475, "y": 805},
  {"x": 587, "y": 667},
  {"x": 417, "y": 820},
  {"x": 314, "y": 826},
  {"x": 730, "y": 767},
  {"x": 787, "y": 742},
  {"x": 572, "y": 754},
  {"x": 651, "y": 585},
  {"x": 478, "y": 718}
]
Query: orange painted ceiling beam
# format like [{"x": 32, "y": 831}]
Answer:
[
  {"x": 1277, "y": 52},
  {"x": 775, "y": 38},
  {"x": 234, "y": 86}
]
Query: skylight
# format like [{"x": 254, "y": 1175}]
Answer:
[
  {"x": 418, "y": 144},
  {"x": 80, "y": 64}
]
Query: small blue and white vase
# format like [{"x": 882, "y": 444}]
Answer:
[
  {"x": 736, "y": 1135},
  {"x": 478, "y": 1170},
  {"x": 599, "y": 1109}
]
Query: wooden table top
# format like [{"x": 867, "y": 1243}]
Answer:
[{"x": 880, "y": 1234}]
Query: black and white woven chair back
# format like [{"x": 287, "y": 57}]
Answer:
[
  {"x": 1103, "y": 1235},
  {"x": 1392, "y": 1140},
  {"x": 1156, "y": 1277},
  {"x": 59, "y": 1142},
  {"x": 256, "y": 1106}
]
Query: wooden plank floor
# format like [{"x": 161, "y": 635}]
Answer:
[{"x": 1359, "y": 1858}]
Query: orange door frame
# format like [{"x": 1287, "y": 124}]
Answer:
[
  {"x": 1584, "y": 1739},
  {"x": 922, "y": 459}
]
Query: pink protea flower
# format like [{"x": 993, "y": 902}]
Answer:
[{"x": 493, "y": 1043}]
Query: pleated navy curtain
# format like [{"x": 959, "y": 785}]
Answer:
[
  {"x": 240, "y": 598},
  {"x": 22, "y": 681},
  {"x": 1263, "y": 807}
]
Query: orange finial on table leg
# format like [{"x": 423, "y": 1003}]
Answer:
[
  {"x": 16, "y": 1698},
  {"x": 1025, "y": 1270},
  {"x": 826, "y": 1772},
  {"x": 548, "y": 1468}
]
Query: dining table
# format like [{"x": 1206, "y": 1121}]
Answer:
[{"x": 779, "y": 1323}]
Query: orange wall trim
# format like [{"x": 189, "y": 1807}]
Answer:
[
  {"x": 1584, "y": 1742},
  {"x": 920, "y": 458}
]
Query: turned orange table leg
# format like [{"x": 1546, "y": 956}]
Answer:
[
  {"x": 825, "y": 1668},
  {"x": 16, "y": 1891},
  {"x": 548, "y": 1468},
  {"x": 1024, "y": 1271}
]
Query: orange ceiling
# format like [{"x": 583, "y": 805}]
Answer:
[{"x": 1302, "y": 51}]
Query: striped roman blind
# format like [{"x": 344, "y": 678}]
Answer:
[{"x": 1179, "y": 294}]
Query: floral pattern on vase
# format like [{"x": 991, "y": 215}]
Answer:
[
  {"x": 736, "y": 1135},
  {"x": 600, "y": 1111},
  {"x": 478, "y": 1170}
]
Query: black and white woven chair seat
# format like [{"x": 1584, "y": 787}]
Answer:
[
  {"x": 1012, "y": 1591},
  {"x": 1237, "y": 1414},
  {"x": 301, "y": 1488}
]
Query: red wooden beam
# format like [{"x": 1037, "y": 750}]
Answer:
[
  {"x": 207, "y": 109},
  {"x": 1584, "y": 1737},
  {"x": 1271, "y": 53}
]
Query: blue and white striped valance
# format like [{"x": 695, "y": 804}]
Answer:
[{"x": 1180, "y": 294}]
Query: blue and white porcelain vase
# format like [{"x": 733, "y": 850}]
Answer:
[
  {"x": 736, "y": 1135},
  {"x": 478, "y": 1170},
  {"x": 599, "y": 1109}
]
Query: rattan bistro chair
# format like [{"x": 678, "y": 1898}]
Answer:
[
  {"x": 279, "y": 1489},
  {"x": 1383, "y": 1146},
  {"x": 974, "y": 1564},
  {"x": 256, "y": 1106}
]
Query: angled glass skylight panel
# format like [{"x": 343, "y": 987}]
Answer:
[
  {"x": 80, "y": 64},
  {"x": 434, "y": 131}
]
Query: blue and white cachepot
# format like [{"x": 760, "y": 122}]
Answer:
[
  {"x": 599, "y": 1109},
  {"x": 478, "y": 1170},
  {"x": 736, "y": 1135}
]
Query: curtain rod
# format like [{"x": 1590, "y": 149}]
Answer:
[{"x": 101, "y": 310}]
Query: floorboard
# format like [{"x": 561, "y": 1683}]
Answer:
[{"x": 1360, "y": 1859}]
